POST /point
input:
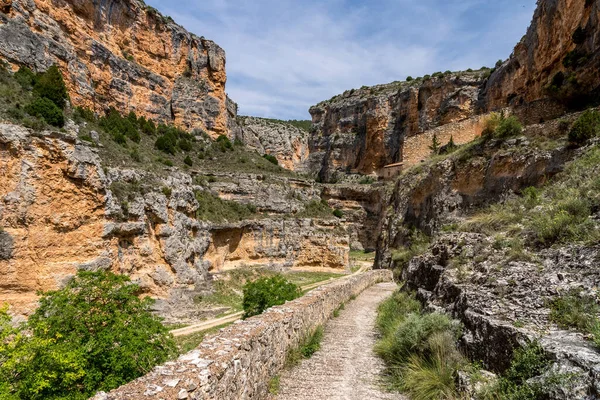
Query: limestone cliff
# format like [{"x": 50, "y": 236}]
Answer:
[
  {"x": 121, "y": 53},
  {"x": 287, "y": 143},
  {"x": 553, "y": 68},
  {"x": 363, "y": 130},
  {"x": 63, "y": 210},
  {"x": 556, "y": 61}
]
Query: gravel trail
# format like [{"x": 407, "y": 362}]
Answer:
[{"x": 345, "y": 367}]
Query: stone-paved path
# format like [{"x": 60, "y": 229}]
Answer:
[{"x": 346, "y": 367}]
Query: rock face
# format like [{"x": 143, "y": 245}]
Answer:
[
  {"x": 427, "y": 197},
  {"x": 557, "y": 60},
  {"x": 61, "y": 211},
  {"x": 286, "y": 142},
  {"x": 123, "y": 54},
  {"x": 363, "y": 130},
  {"x": 505, "y": 302},
  {"x": 553, "y": 68}
]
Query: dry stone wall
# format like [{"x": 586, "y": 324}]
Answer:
[{"x": 238, "y": 362}]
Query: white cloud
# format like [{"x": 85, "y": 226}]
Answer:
[{"x": 284, "y": 56}]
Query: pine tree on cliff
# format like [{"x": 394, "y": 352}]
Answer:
[{"x": 435, "y": 144}]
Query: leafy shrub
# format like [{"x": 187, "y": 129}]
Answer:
[
  {"x": 509, "y": 126},
  {"x": 272, "y": 159},
  {"x": 50, "y": 85},
  {"x": 491, "y": 124},
  {"x": 26, "y": 78},
  {"x": 409, "y": 78},
  {"x": 166, "y": 144},
  {"x": 338, "y": 213},
  {"x": 135, "y": 155},
  {"x": 316, "y": 209},
  {"x": 223, "y": 143},
  {"x": 46, "y": 109},
  {"x": 419, "y": 349},
  {"x": 528, "y": 362},
  {"x": 84, "y": 114},
  {"x": 268, "y": 292},
  {"x": 188, "y": 161},
  {"x": 184, "y": 145},
  {"x": 119, "y": 127},
  {"x": 95, "y": 334},
  {"x": 394, "y": 309},
  {"x": 147, "y": 126},
  {"x": 586, "y": 127}
]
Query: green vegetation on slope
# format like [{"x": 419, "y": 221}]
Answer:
[
  {"x": 265, "y": 293},
  {"x": 559, "y": 213},
  {"x": 95, "y": 334}
]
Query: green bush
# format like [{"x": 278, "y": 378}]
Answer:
[
  {"x": 120, "y": 127},
  {"x": 270, "y": 158},
  {"x": 184, "y": 145},
  {"x": 268, "y": 292},
  {"x": 338, "y": 213},
  {"x": 528, "y": 362},
  {"x": 491, "y": 124},
  {"x": 188, "y": 161},
  {"x": 223, "y": 143},
  {"x": 95, "y": 334},
  {"x": 50, "y": 85},
  {"x": 586, "y": 127},
  {"x": 166, "y": 144},
  {"x": 409, "y": 78},
  {"x": 84, "y": 114},
  {"x": 509, "y": 126},
  {"x": 46, "y": 109},
  {"x": 394, "y": 309},
  {"x": 147, "y": 126},
  {"x": 26, "y": 78}
]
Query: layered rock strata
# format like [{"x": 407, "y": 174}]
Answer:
[
  {"x": 122, "y": 54},
  {"x": 287, "y": 143},
  {"x": 61, "y": 211}
]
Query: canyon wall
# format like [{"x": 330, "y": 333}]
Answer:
[
  {"x": 363, "y": 130},
  {"x": 238, "y": 362},
  {"x": 62, "y": 211},
  {"x": 122, "y": 54},
  {"x": 287, "y": 143},
  {"x": 552, "y": 69},
  {"x": 557, "y": 61}
]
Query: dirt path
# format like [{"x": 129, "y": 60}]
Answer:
[{"x": 345, "y": 367}]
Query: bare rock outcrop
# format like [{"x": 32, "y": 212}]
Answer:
[
  {"x": 287, "y": 143},
  {"x": 62, "y": 211},
  {"x": 123, "y": 54}
]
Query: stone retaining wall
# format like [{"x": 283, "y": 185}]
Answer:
[{"x": 238, "y": 362}]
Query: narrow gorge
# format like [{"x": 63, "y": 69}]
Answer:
[{"x": 475, "y": 191}]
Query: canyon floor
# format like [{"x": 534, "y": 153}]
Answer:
[{"x": 345, "y": 367}]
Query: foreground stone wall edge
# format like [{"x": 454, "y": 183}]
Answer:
[{"x": 238, "y": 362}]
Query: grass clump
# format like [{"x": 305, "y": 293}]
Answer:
[
  {"x": 316, "y": 209},
  {"x": 265, "y": 293},
  {"x": 416, "y": 244},
  {"x": 274, "y": 385},
  {"x": 515, "y": 384},
  {"x": 557, "y": 214},
  {"x": 577, "y": 310},
  {"x": 418, "y": 348},
  {"x": 308, "y": 346}
]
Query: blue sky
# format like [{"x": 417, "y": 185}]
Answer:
[{"x": 285, "y": 55}]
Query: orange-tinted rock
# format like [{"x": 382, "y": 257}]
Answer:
[{"x": 121, "y": 54}]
